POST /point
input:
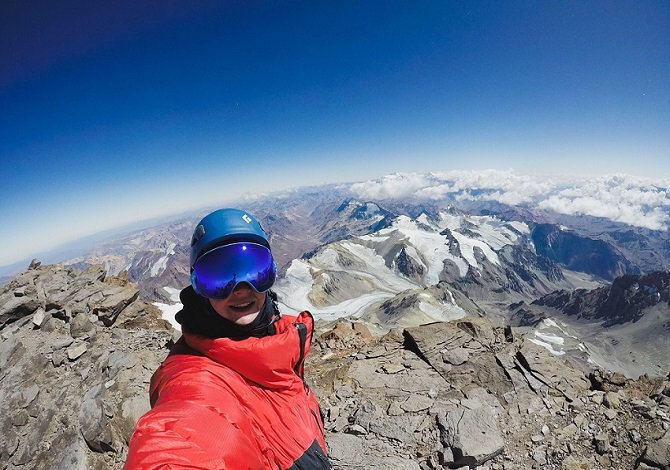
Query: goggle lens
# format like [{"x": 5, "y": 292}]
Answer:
[{"x": 217, "y": 272}]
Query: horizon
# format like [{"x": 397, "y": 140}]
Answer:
[
  {"x": 634, "y": 201},
  {"x": 118, "y": 113}
]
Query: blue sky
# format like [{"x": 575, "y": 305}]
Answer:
[{"x": 112, "y": 112}]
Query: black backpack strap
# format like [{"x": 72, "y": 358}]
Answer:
[
  {"x": 302, "y": 337},
  {"x": 305, "y": 329}
]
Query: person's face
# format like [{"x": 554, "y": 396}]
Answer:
[{"x": 241, "y": 306}]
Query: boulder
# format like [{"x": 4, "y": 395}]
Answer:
[
  {"x": 14, "y": 307},
  {"x": 657, "y": 453},
  {"x": 471, "y": 433},
  {"x": 115, "y": 300}
]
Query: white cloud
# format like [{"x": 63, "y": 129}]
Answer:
[
  {"x": 397, "y": 185},
  {"x": 622, "y": 198},
  {"x": 504, "y": 186},
  {"x": 435, "y": 192}
]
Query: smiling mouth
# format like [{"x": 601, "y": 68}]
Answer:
[{"x": 243, "y": 306}]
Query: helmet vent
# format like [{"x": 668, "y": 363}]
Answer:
[{"x": 197, "y": 234}]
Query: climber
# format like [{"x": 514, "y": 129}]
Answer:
[{"x": 231, "y": 393}]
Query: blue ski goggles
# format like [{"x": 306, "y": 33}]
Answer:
[{"x": 217, "y": 272}]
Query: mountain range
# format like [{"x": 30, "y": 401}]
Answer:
[{"x": 408, "y": 259}]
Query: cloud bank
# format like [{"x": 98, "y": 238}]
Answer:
[{"x": 622, "y": 198}]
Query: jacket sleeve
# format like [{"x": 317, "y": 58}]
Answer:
[
  {"x": 171, "y": 437},
  {"x": 192, "y": 424}
]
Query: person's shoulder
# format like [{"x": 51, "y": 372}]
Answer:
[
  {"x": 181, "y": 348},
  {"x": 289, "y": 322},
  {"x": 302, "y": 317}
]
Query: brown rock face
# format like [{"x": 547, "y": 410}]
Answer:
[
  {"x": 73, "y": 371},
  {"x": 467, "y": 394},
  {"x": 77, "y": 350}
]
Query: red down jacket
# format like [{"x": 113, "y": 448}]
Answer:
[{"x": 233, "y": 404}]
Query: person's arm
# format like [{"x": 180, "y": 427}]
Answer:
[{"x": 187, "y": 436}]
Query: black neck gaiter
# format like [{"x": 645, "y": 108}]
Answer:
[{"x": 199, "y": 317}]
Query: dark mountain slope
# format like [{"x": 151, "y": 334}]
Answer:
[{"x": 625, "y": 300}]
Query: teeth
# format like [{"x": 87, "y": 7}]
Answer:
[{"x": 243, "y": 305}]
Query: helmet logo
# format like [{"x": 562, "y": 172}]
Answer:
[{"x": 246, "y": 218}]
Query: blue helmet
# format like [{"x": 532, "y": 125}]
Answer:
[{"x": 223, "y": 227}]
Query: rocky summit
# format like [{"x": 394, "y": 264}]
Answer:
[{"x": 77, "y": 350}]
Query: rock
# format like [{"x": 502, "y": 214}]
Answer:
[
  {"x": 598, "y": 398},
  {"x": 572, "y": 463},
  {"x": 28, "y": 395},
  {"x": 13, "y": 308},
  {"x": 366, "y": 414},
  {"x": 39, "y": 317},
  {"x": 342, "y": 447},
  {"x": 97, "y": 274},
  {"x": 132, "y": 410},
  {"x": 73, "y": 454},
  {"x": 617, "y": 378},
  {"x": 568, "y": 431},
  {"x": 81, "y": 326},
  {"x": 471, "y": 433},
  {"x": 395, "y": 409},
  {"x": 612, "y": 400},
  {"x": 480, "y": 329},
  {"x": 93, "y": 422},
  {"x": 657, "y": 453},
  {"x": 610, "y": 414},
  {"x": 362, "y": 330},
  {"x": 602, "y": 443},
  {"x": 393, "y": 368},
  {"x": 539, "y": 455},
  {"x": 116, "y": 299},
  {"x": 31, "y": 446},
  {"x": 76, "y": 350},
  {"x": 456, "y": 356},
  {"x": 357, "y": 430},
  {"x": 566, "y": 380},
  {"x": 396, "y": 428},
  {"x": 417, "y": 403},
  {"x": 58, "y": 357},
  {"x": 21, "y": 291}
]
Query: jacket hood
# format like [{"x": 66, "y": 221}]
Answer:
[{"x": 270, "y": 361}]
